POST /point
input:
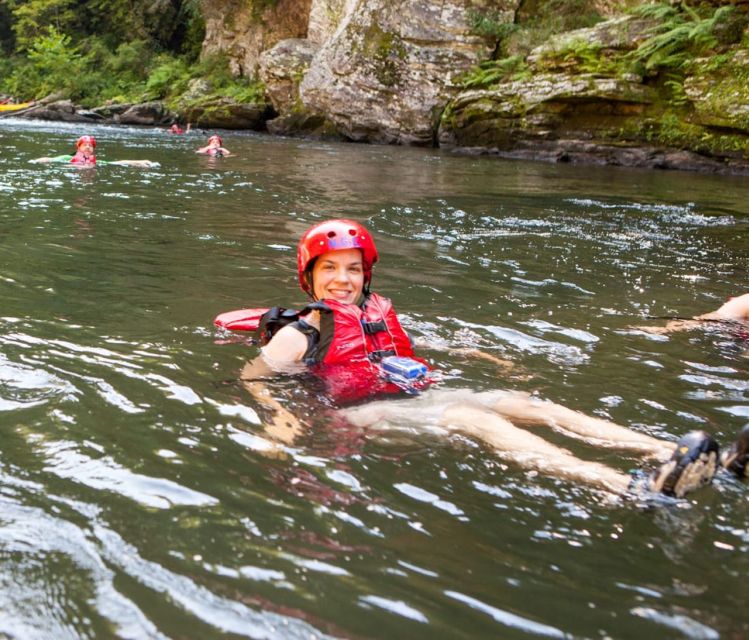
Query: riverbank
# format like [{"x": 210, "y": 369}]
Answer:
[
  {"x": 581, "y": 149},
  {"x": 653, "y": 85}
]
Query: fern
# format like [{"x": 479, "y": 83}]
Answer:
[
  {"x": 655, "y": 11},
  {"x": 492, "y": 72},
  {"x": 679, "y": 36}
]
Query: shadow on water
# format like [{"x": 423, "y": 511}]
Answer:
[{"x": 143, "y": 498}]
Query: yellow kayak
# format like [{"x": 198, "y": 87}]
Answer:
[{"x": 15, "y": 107}]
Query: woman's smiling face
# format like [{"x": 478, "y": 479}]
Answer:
[{"x": 339, "y": 275}]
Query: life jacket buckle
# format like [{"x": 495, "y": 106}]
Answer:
[
  {"x": 376, "y": 356},
  {"x": 371, "y": 328}
]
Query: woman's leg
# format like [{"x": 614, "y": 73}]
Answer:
[
  {"x": 520, "y": 408},
  {"x": 529, "y": 451},
  {"x": 464, "y": 411},
  {"x": 485, "y": 416}
]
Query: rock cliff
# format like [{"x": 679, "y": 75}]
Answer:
[
  {"x": 389, "y": 69},
  {"x": 393, "y": 71}
]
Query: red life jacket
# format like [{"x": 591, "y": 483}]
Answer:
[
  {"x": 80, "y": 158},
  {"x": 352, "y": 341},
  {"x": 346, "y": 350},
  {"x": 350, "y": 334}
]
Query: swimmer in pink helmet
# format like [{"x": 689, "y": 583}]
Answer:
[
  {"x": 85, "y": 156},
  {"x": 348, "y": 329},
  {"x": 214, "y": 147}
]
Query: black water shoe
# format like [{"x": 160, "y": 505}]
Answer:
[
  {"x": 692, "y": 465},
  {"x": 736, "y": 459}
]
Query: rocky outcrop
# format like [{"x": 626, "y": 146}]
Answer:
[
  {"x": 544, "y": 107},
  {"x": 390, "y": 68},
  {"x": 61, "y": 111},
  {"x": 721, "y": 98},
  {"x": 282, "y": 69},
  {"x": 243, "y": 29},
  {"x": 146, "y": 113},
  {"x": 325, "y": 17},
  {"x": 577, "y": 104},
  {"x": 224, "y": 113}
]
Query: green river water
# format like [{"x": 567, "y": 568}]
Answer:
[{"x": 138, "y": 498}]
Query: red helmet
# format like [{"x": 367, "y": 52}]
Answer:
[
  {"x": 220, "y": 141},
  {"x": 334, "y": 235},
  {"x": 85, "y": 140}
]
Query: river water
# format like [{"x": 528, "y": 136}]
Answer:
[{"x": 141, "y": 496}]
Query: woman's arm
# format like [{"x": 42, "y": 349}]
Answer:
[
  {"x": 45, "y": 160},
  {"x": 282, "y": 354}
]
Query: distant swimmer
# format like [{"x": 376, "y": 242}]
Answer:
[
  {"x": 733, "y": 314},
  {"x": 214, "y": 148},
  {"x": 85, "y": 156},
  {"x": 178, "y": 130}
]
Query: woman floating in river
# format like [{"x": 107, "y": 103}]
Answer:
[
  {"x": 352, "y": 340},
  {"x": 214, "y": 148},
  {"x": 85, "y": 156}
]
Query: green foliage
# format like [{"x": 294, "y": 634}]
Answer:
[
  {"x": 672, "y": 131},
  {"x": 578, "y": 53},
  {"x": 32, "y": 19},
  {"x": 494, "y": 72},
  {"x": 52, "y": 65},
  {"x": 490, "y": 25},
  {"x": 194, "y": 29},
  {"x": 680, "y": 34},
  {"x": 118, "y": 76},
  {"x": 220, "y": 84},
  {"x": 677, "y": 97},
  {"x": 97, "y": 50},
  {"x": 7, "y": 39},
  {"x": 168, "y": 76},
  {"x": 251, "y": 92},
  {"x": 539, "y": 19},
  {"x": 215, "y": 67}
]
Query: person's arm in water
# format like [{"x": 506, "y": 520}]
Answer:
[
  {"x": 124, "y": 163},
  {"x": 735, "y": 310},
  {"x": 282, "y": 354},
  {"x": 468, "y": 352},
  {"x": 133, "y": 163},
  {"x": 45, "y": 160}
]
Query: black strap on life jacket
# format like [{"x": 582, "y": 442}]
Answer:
[
  {"x": 278, "y": 317},
  {"x": 320, "y": 344},
  {"x": 372, "y": 328},
  {"x": 318, "y": 341}
]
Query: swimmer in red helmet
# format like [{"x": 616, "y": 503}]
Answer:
[
  {"x": 348, "y": 327},
  {"x": 178, "y": 130},
  {"x": 214, "y": 147},
  {"x": 85, "y": 156}
]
